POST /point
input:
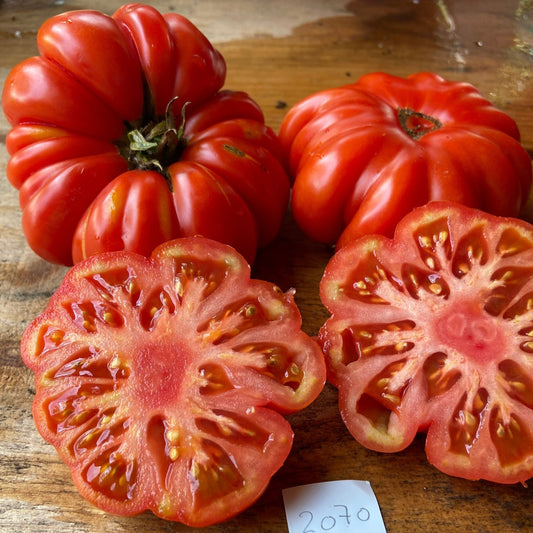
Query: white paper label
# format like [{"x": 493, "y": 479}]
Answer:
[{"x": 344, "y": 506}]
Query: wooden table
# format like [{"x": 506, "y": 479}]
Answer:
[{"x": 279, "y": 52}]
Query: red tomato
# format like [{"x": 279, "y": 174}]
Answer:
[
  {"x": 162, "y": 381},
  {"x": 431, "y": 331},
  {"x": 148, "y": 97},
  {"x": 364, "y": 155}
]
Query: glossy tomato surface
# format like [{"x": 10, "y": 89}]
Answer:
[
  {"x": 364, "y": 155},
  {"x": 138, "y": 142},
  {"x": 431, "y": 331},
  {"x": 163, "y": 381}
]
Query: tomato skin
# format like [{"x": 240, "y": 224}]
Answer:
[
  {"x": 225, "y": 105},
  {"x": 23, "y": 135},
  {"x": 34, "y": 83},
  {"x": 138, "y": 199},
  {"x": 165, "y": 41},
  {"x": 65, "y": 38},
  {"x": 118, "y": 217},
  {"x": 155, "y": 97},
  {"x": 31, "y": 158},
  {"x": 202, "y": 199},
  {"x": 205, "y": 64},
  {"x": 429, "y": 331},
  {"x": 157, "y": 54},
  {"x": 343, "y": 145},
  {"x": 248, "y": 128},
  {"x": 54, "y": 199},
  {"x": 162, "y": 381},
  {"x": 246, "y": 166}
]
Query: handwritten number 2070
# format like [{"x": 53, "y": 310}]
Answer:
[{"x": 328, "y": 522}]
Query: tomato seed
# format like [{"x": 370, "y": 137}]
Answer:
[
  {"x": 424, "y": 241},
  {"x": 382, "y": 383},
  {"x": 173, "y": 435},
  {"x": 173, "y": 453},
  {"x": 435, "y": 288},
  {"x": 470, "y": 419}
]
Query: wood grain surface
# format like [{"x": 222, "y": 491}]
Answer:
[{"x": 279, "y": 51}]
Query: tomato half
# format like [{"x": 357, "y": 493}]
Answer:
[
  {"x": 163, "y": 381},
  {"x": 364, "y": 155},
  {"x": 431, "y": 331},
  {"x": 175, "y": 154}
]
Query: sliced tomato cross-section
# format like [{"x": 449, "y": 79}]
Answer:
[
  {"x": 162, "y": 381},
  {"x": 432, "y": 331}
]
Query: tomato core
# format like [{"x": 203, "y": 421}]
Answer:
[
  {"x": 471, "y": 332},
  {"x": 157, "y": 381},
  {"x": 417, "y": 124}
]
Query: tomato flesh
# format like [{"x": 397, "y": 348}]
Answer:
[
  {"x": 430, "y": 331},
  {"x": 163, "y": 381}
]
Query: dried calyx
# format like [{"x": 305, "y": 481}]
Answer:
[
  {"x": 156, "y": 144},
  {"x": 417, "y": 124}
]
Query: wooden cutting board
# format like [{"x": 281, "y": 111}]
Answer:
[{"x": 279, "y": 52}]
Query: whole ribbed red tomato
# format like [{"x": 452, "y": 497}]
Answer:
[
  {"x": 364, "y": 155},
  {"x": 123, "y": 138}
]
